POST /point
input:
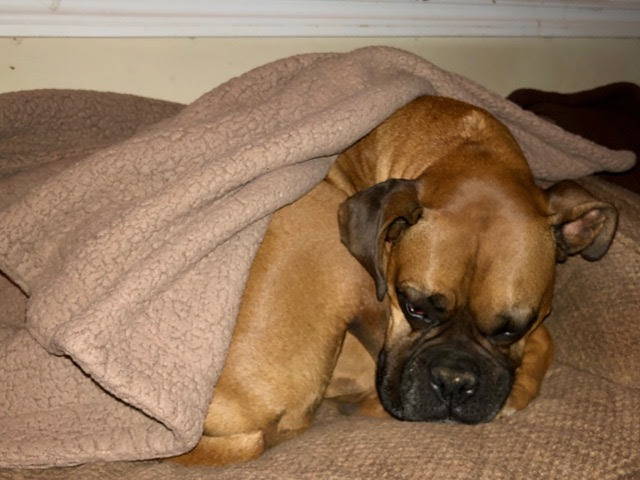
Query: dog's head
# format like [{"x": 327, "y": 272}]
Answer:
[{"x": 468, "y": 263}]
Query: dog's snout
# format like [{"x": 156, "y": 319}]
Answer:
[
  {"x": 447, "y": 382},
  {"x": 453, "y": 383}
]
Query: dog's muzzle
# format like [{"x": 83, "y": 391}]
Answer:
[{"x": 445, "y": 382}]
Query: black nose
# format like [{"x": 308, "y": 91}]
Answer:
[{"x": 453, "y": 383}]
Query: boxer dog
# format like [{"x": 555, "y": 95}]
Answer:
[{"x": 429, "y": 248}]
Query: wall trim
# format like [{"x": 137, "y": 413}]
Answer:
[{"x": 319, "y": 18}]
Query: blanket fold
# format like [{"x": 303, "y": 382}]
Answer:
[{"x": 128, "y": 225}]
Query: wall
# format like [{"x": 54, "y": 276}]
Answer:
[{"x": 181, "y": 69}]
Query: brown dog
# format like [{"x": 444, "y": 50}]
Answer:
[{"x": 459, "y": 249}]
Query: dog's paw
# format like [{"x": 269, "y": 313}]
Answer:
[
  {"x": 367, "y": 406},
  {"x": 216, "y": 451},
  {"x": 518, "y": 399},
  {"x": 506, "y": 411}
]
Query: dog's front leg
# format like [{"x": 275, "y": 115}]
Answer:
[{"x": 536, "y": 359}]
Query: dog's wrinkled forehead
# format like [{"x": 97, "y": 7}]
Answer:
[{"x": 487, "y": 250}]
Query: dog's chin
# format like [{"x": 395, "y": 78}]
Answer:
[{"x": 436, "y": 413}]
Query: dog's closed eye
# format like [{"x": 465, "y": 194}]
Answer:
[
  {"x": 511, "y": 330},
  {"x": 422, "y": 310}
]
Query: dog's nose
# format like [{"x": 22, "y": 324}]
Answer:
[{"x": 453, "y": 383}]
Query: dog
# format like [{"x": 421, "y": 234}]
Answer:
[{"x": 412, "y": 282}]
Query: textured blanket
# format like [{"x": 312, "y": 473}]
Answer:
[{"x": 127, "y": 227}]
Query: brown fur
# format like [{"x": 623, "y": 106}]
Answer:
[{"x": 486, "y": 243}]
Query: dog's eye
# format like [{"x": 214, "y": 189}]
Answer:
[
  {"x": 505, "y": 334},
  {"x": 511, "y": 330},
  {"x": 422, "y": 310},
  {"x": 414, "y": 312}
]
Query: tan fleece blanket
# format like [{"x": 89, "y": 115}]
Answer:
[{"x": 129, "y": 226}]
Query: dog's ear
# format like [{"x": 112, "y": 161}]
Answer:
[
  {"x": 374, "y": 216},
  {"x": 582, "y": 224}
]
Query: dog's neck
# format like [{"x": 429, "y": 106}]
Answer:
[
  {"x": 368, "y": 162},
  {"x": 365, "y": 165},
  {"x": 456, "y": 139}
]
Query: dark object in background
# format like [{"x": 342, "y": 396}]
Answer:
[{"x": 607, "y": 115}]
